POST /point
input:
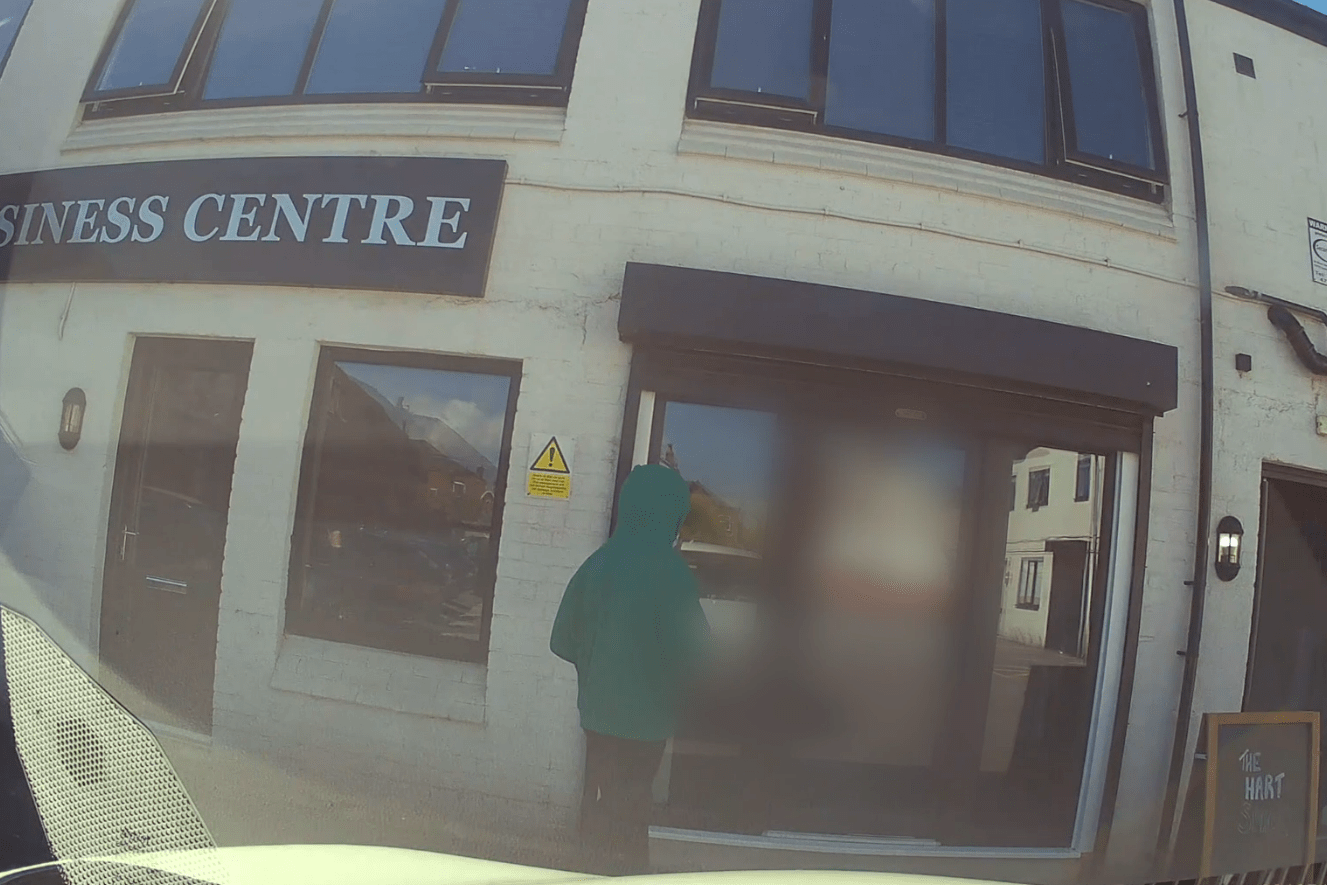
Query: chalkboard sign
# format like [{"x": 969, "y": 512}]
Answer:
[{"x": 1261, "y": 802}]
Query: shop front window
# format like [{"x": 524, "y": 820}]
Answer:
[
  {"x": 380, "y": 556},
  {"x": 1043, "y": 679},
  {"x": 174, "y": 54},
  {"x": 901, "y": 655}
]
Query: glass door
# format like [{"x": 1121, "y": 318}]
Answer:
[{"x": 907, "y": 614}]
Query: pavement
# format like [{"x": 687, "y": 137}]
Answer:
[{"x": 250, "y": 799}]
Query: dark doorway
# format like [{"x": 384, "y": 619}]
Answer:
[
  {"x": 1288, "y": 656},
  {"x": 167, "y": 528}
]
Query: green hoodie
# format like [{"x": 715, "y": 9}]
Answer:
[{"x": 631, "y": 620}]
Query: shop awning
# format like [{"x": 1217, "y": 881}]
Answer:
[{"x": 733, "y": 313}]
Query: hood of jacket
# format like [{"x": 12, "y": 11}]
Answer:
[{"x": 653, "y": 503}]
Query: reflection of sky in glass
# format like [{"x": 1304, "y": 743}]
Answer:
[
  {"x": 729, "y": 451},
  {"x": 942, "y": 463},
  {"x": 12, "y": 13},
  {"x": 473, "y": 405}
]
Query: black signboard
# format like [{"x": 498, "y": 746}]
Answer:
[
  {"x": 1260, "y": 792},
  {"x": 407, "y": 224}
]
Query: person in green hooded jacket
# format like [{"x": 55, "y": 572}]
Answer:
[{"x": 631, "y": 623}]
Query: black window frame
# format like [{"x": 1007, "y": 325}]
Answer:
[
  {"x": 18, "y": 30},
  {"x": 1063, "y": 159},
  {"x": 1028, "y": 597},
  {"x": 182, "y": 63},
  {"x": 1083, "y": 479},
  {"x": 552, "y": 90},
  {"x": 1138, "y": 16},
  {"x": 398, "y": 641},
  {"x": 1039, "y": 488}
]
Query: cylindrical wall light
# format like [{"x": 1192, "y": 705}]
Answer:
[
  {"x": 71, "y": 418},
  {"x": 1229, "y": 547}
]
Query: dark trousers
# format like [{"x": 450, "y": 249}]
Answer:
[{"x": 616, "y": 803}]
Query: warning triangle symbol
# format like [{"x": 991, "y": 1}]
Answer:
[{"x": 550, "y": 460}]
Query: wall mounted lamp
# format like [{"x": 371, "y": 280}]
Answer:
[
  {"x": 71, "y": 418},
  {"x": 1229, "y": 547}
]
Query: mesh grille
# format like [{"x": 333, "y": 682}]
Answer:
[{"x": 102, "y": 785}]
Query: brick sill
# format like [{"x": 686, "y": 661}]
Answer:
[
  {"x": 385, "y": 680},
  {"x": 503, "y": 123}
]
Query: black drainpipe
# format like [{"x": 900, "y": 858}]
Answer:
[
  {"x": 1202, "y": 543},
  {"x": 1284, "y": 320}
]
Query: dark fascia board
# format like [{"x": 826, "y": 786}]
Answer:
[
  {"x": 728, "y": 312},
  {"x": 1293, "y": 17}
]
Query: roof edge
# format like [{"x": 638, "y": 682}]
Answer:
[{"x": 1286, "y": 14}]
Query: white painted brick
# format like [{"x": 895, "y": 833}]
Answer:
[{"x": 548, "y": 305}]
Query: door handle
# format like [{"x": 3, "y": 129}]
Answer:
[{"x": 124, "y": 541}]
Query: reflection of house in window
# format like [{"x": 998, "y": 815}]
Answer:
[
  {"x": 1029, "y": 584},
  {"x": 396, "y": 517},
  {"x": 1039, "y": 488},
  {"x": 1083, "y": 480},
  {"x": 714, "y": 521}
]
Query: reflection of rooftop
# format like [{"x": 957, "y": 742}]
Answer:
[
  {"x": 716, "y": 549},
  {"x": 1015, "y": 654}
]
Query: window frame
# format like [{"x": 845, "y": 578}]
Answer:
[
  {"x": 18, "y": 30},
  {"x": 1024, "y": 601},
  {"x": 1138, "y": 17},
  {"x": 776, "y": 112},
  {"x": 435, "y": 87},
  {"x": 1080, "y": 494},
  {"x": 1034, "y": 487},
  {"x": 660, "y": 375},
  {"x": 444, "y": 648},
  {"x": 182, "y": 63}
]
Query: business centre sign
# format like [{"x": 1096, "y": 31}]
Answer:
[{"x": 407, "y": 224}]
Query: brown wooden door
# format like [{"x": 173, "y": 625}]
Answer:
[{"x": 167, "y": 529}]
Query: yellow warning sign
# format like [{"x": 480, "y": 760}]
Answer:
[
  {"x": 549, "y": 485},
  {"x": 550, "y": 473},
  {"x": 551, "y": 459}
]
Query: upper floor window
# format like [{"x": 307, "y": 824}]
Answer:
[
  {"x": 175, "y": 54},
  {"x": 1061, "y": 87},
  {"x": 1039, "y": 488},
  {"x": 12, "y": 13},
  {"x": 1083, "y": 478}
]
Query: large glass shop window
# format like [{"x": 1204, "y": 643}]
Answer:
[{"x": 865, "y": 581}]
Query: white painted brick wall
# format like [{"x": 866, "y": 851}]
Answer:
[{"x": 968, "y": 234}]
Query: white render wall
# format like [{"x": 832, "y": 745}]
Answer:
[
  {"x": 1263, "y": 140},
  {"x": 620, "y": 177}
]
